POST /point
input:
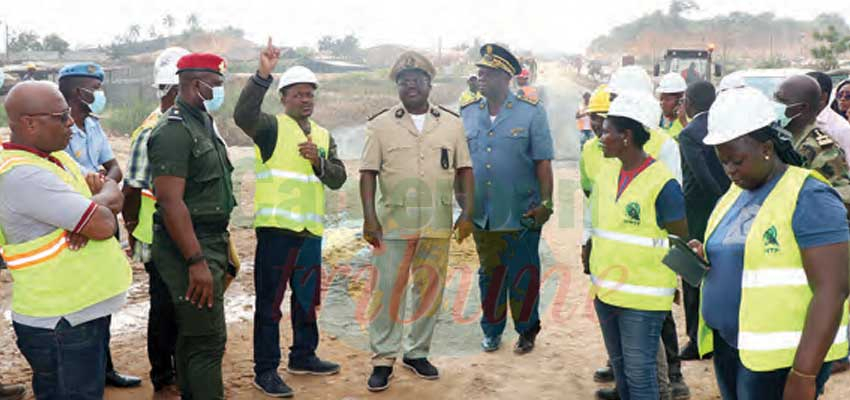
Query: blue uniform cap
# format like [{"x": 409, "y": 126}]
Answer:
[{"x": 85, "y": 70}]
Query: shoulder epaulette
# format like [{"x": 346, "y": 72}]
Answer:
[
  {"x": 449, "y": 111},
  {"x": 822, "y": 138},
  {"x": 174, "y": 114},
  {"x": 471, "y": 101},
  {"x": 377, "y": 114},
  {"x": 528, "y": 100}
]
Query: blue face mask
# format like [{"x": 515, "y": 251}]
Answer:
[
  {"x": 99, "y": 103},
  {"x": 216, "y": 101},
  {"x": 781, "y": 117}
]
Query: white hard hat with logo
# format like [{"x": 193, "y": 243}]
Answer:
[
  {"x": 639, "y": 106},
  {"x": 737, "y": 112},
  {"x": 671, "y": 83},
  {"x": 165, "y": 66},
  {"x": 297, "y": 74},
  {"x": 630, "y": 78},
  {"x": 731, "y": 82}
]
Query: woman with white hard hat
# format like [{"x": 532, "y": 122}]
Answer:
[
  {"x": 778, "y": 247},
  {"x": 636, "y": 204}
]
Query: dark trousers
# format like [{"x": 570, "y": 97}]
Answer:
[
  {"x": 162, "y": 330},
  {"x": 509, "y": 277},
  {"x": 736, "y": 382},
  {"x": 67, "y": 362},
  {"x": 201, "y": 332},
  {"x": 690, "y": 298},
  {"x": 283, "y": 258},
  {"x": 671, "y": 347}
]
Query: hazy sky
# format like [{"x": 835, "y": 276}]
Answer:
[{"x": 539, "y": 25}]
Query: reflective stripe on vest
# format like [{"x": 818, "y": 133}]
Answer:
[
  {"x": 50, "y": 279},
  {"x": 144, "y": 229},
  {"x": 628, "y": 244},
  {"x": 288, "y": 194},
  {"x": 775, "y": 292}
]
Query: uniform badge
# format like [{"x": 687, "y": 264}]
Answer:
[
  {"x": 509, "y": 105},
  {"x": 771, "y": 240},
  {"x": 410, "y": 62},
  {"x": 632, "y": 214},
  {"x": 399, "y": 113},
  {"x": 222, "y": 67},
  {"x": 517, "y": 131},
  {"x": 91, "y": 69}
]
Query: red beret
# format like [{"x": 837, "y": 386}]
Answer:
[{"x": 202, "y": 62}]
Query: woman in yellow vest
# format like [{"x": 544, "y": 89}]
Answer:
[
  {"x": 636, "y": 204},
  {"x": 777, "y": 243}
]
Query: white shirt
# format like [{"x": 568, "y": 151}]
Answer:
[
  {"x": 837, "y": 127},
  {"x": 418, "y": 121}
]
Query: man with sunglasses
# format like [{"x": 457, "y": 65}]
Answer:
[
  {"x": 297, "y": 158},
  {"x": 799, "y": 97},
  {"x": 194, "y": 198},
  {"x": 416, "y": 152},
  {"x": 81, "y": 85},
  {"x": 56, "y": 229}
]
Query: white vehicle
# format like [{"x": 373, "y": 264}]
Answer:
[{"x": 765, "y": 80}]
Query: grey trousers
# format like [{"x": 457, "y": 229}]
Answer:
[{"x": 396, "y": 262}]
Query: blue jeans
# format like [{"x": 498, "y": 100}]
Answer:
[
  {"x": 631, "y": 338},
  {"x": 284, "y": 258},
  {"x": 509, "y": 274},
  {"x": 67, "y": 362},
  {"x": 736, "y": 382}
]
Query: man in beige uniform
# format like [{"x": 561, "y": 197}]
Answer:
[{"x": 419, "y": 151}]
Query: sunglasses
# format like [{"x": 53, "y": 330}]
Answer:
[
  {"x": 843, "y": 96},
  {"x": 62, "y": 116}
]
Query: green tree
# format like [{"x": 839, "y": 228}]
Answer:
[
  {"x": 54, "y": 42},
  {"x": 833, "y": 44},
  {"x": 193, "y": 22},
  {"x": 24, "y": 41},
  {"x": 134, "y": 32},
  {"x": 679, "y": 7},
  {"x": 168, "y": 22}
]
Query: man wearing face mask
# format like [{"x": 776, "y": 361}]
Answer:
[
  {"x": 139, "y": 203},
  {"x": 81, "y": 86},
  {"x": 194, "y": 198},
  {"x": 296, "y": 158},
  {"x": 799, "y": 98}
]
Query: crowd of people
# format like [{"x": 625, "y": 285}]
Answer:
[{"x": 759, "y": 186}]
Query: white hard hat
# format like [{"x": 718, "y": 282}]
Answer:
[
  {"x": 671, "y": 83},
  {"x": 630, "y": 78},
  {"x": 297, "y": 74},
  {"x": 165, "y": 66},
  {"x": 737, "y": 112},
  {"x": 639, "y": 106},
  {"x": 731, "y": 82}
]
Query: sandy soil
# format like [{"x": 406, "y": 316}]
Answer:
[{"x": 569, "y": 348}]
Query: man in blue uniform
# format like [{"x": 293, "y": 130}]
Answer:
[{"x": 511, "y": 149}]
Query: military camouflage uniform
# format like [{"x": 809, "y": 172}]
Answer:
[{"x": 822, "y": 154}]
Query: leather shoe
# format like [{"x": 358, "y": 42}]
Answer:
[
  {"x": 604, "y": 374},
  {"x": 12, "y": 392},
  {"x": 691, "y": 353},
  {"x": 608, "y": 394},
  {"x": 114, "y": 379},
  {"x": 840, "y": 366}
]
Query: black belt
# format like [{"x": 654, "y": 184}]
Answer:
[{"x": 199, "y": 227}]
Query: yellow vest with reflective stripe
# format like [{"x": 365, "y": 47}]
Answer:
[
  {"x": 289, "y": 195},
  {"x": 628, "y": 245},
  {"x": 49, "y": 279},
  {"x": 144, "y": 229},
  {"x": 775, "y": 292},
  {"x": 674, "y": 130}
]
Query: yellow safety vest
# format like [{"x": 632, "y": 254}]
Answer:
[
  {"x": 467, "y": 97},
  {"x": 674, "y": 130},
  {"x": 144, "y": 228},
  {"x": 289, "y": 195},
  {"x": 593, "y": 160},
  {"x": 628, "y": 246},
  {"x": 775, "y": 292},
  {"x": 50, "y": 280}
]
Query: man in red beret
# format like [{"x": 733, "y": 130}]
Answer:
[{"x": 192, "y": 184}]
